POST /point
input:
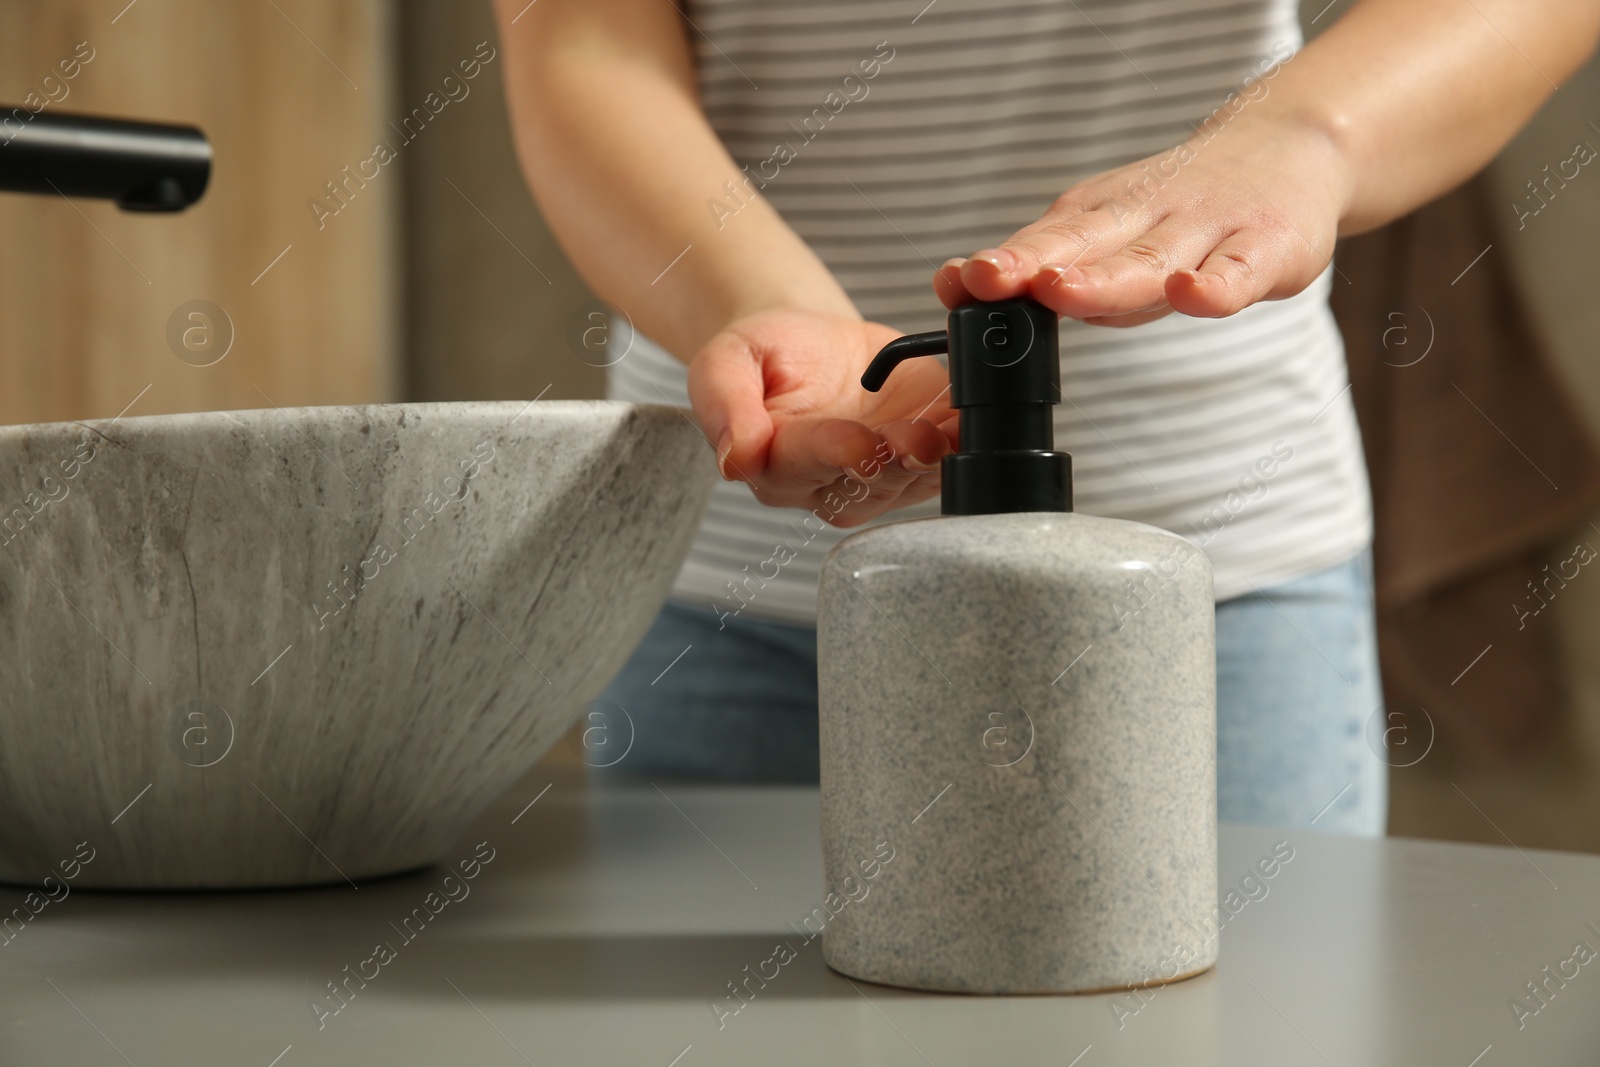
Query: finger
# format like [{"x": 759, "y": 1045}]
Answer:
[
  {"x": 1136, "y": 319},
  {"x": 913, "y": 451},
  {"x": 865, "y": 510},
  {"x": 810, "y": 453},
  {"x": 947, "y": 284},
  {"x": 1061, "y": 237},
  {"x": 1238, "y": 272},
  {"x": 728, "y": 392},
  {"x": 1131, "y": 279},
  {"x": 915, "y": 445},
  {"x": 909, "y": 453},
  {"x": 913, "y": 473},
  {"x": 903, "y": 470}
]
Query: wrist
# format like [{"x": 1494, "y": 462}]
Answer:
[
  {"x": 1328, "y": 140},
  {"x": 1317, "y": 141},
  {"x": 826, "y": 300}
]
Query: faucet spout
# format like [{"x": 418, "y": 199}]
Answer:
[{"x": 143, "y": 166}]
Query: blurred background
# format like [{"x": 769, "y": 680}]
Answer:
[{"x": 436, "y": 280}]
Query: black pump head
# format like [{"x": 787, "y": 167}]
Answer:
[{"x": 1005, "y": 376}]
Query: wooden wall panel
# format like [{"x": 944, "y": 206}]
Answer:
[
  {"x": 488, "y": 291},
  {"x": 289, "y": 91}
]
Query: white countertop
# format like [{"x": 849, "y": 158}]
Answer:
[{"x": 608, "y": 923}]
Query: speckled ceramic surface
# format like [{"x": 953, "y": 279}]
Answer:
[
  {"x": 297, "y": 646},
  {"x": 1020, "y": 711}
]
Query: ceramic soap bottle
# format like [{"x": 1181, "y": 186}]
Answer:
[{"x": 1018, "y": 710}]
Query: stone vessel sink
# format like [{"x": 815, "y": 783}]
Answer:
[{"x": 298, "y": 646}]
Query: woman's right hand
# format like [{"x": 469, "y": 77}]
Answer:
[{"x": 779, "y": 394}]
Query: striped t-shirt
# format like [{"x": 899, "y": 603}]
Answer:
[{"x": 894, "y": 134}]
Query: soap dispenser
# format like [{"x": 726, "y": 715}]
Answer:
[{"x": 1017, "y": 712}]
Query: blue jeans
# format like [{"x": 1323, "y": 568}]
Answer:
[{"x": 1297, "y": 685}]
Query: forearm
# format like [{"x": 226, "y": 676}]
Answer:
[
  {"x": 622, "y": 161},
  {"x": 1417, "y": 95}
]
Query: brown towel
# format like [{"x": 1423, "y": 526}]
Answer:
[{"x": 1478, "y": 463}]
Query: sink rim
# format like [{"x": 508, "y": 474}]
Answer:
[{"x": 472, "y": 411}]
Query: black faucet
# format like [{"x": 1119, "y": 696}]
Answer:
[{"x": 143, "y": 166}]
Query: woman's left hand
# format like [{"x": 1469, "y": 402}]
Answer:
[{"x": 1206, "y": 229}]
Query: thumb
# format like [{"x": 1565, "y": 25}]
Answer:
[{"x": 728, "y": 391}]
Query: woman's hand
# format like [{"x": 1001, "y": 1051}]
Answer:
[
  {"x": 1205, "y": 229},
  {"x": 779, "y": 393}
]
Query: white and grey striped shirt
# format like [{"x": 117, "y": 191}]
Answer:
[{"x": 894, "y": 134}]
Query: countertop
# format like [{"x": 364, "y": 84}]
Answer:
[{"x": 602, "y": 926}]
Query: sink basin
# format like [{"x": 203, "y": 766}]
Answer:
[{"x": 298, "y": 646}]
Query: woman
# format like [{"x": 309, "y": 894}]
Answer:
[{"x": 763, "y": 188}]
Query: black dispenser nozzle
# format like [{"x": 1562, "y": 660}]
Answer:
[
  {"x": 1005, "y": 377},
  {"x": 143, "y": 166}
]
